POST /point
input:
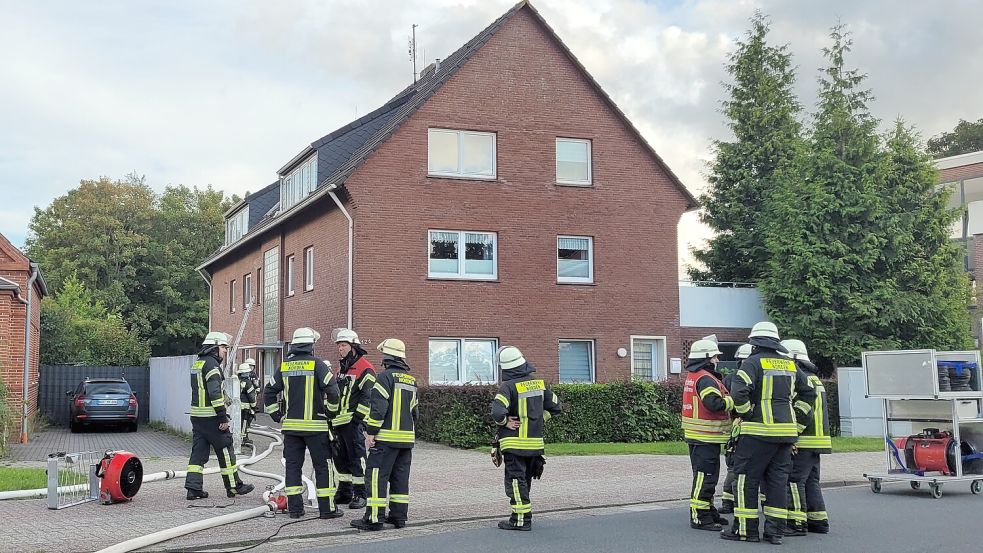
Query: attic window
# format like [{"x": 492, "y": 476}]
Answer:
[
  {"x": 461, "y": 154},
  {"x": 298, "y": 184},
  {"x": 237, "y": 225}
]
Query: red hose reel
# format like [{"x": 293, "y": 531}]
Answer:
[{"x": 121, "y": 474}]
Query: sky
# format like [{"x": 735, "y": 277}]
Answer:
[{"x": 224, "y": 92}]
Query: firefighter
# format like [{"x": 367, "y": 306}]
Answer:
[
  {"x": 248, "y": 390},
  {"x": 356, "y": 377},
  {"x": 390, "y": 412},
  {"x": 727, "y": 499},
  {"x": 763, "y": 393},
  {"x": 309, "y": 390},
  {"x": 521, "y": 408},
  {"x": 807, "y": 511},
  {"x": 706, "y": 426},
  {"x": 210, "y": 421}
]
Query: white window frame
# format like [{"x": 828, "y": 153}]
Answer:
[
  {"x": 290, "y": 275},
  {"x": 235, "y": 225},
  {"x": 460, "y": 361},
  {"x": 461, "y": 253},
  {"x": 247, "y": 288},
  {"x": 299, "y": 183},
  {"x": 309, "y": 268},
  {"x": 665, "y": 355},
  {"x": 232, "y": 296},
  {"x": 590, "y": 265},
  {"x": 460, "y": 155},
  {"x": 590, "y": 162},
  {"x": 593, "y": 357}
]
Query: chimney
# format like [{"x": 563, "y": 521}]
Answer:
[{"x": 436, "y": 65}]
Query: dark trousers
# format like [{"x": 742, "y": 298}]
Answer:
[
  {"x": 727, "y": 490},
  {"x": 350, "y": 462},
  {"x": 387, "y": 476},
  {"x": 518, "y": 482},
  {"x": 805, "y": 497},
  {"x": 247, "y": 417},
  {"x": 764, "y": 465},
  {"x": 206, "y": 436},
  {"x": 705, "y": 460},
  {"x": 294, "y": 447}
]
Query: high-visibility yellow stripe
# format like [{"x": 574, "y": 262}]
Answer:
[
  {"x": 195, "y": 468},
  {"x": 815, "y": 442},
  {"x": 744, "y": 376},
  {"x": 775, "y": 512},
  {"x": 213, "y": 372},
  {"x": 304, "y": 425},
  {"x": 502, "y": 399},
  {"x": 398, "y": 436},
  {"x": 397, "y": 408},
  {"x": 203, "y": 412},
  {"x": 523, "y": 418},
  {"x": 743, "y": 407},
  {"x": 777, "y": 429},
  {"x": 767, "y": 390},
  {"x": 817, "y": 515},
  {"x": 308, "y": 398},
  {"x": 710, "y": 390},
  {"x": 524, "y": 444},
  {"x": 293, "y": 490},
  {"x": 803, "y": 406},
  {"x": 382, "y": 390},
  {"x": 399, "y": 498}
]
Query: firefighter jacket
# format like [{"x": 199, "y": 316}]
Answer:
[
  {"x": 390, "y": 408},
  {"x": 356, "y": 377},
  {"x": 524, "y": 396},
  {"x": 814, "y": 429},
  {"x": 768, "y": 390},
  {"x": 248, "y": 390},
  {"x": 706, "y": 404},
  {"x": 310, "y": 392},
  {"x": 207, "y": 399}
]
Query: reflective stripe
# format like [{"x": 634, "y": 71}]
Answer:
[
  {"x": 213, "y": 372},
  {"x": 815, "y": 442},
  {"x": 744, "y": 376},
  {"x": 399, "y": 498},
  {"x": 304, "y": 425},
  {"x": 369, "y": 421},
  {"x": 368, "y": 380},
  {"x": 341, "y": 419},
  {"x": 728, "y": 403},
  {"x": 779, "y": 429},
  {"x": 547, "y": 416},
  {"x": 695, "y": 504},
  {"x": 525, "y": 444},
  {"x": 775, "y": 364},
  {"x": 326, "y": 492},
  {"x": 272, "y": 408},
  {"x": 817, "y": 515},
  {"x": 195, "y": 468},
  {"x": 203, "y": 412},
  {"x": 228, "y": 471},
  {"x": 344, "y": 477},
  {"x": 382, "y": 390},
  {"x": 502, "y": 399},
  {"x": 775, "y": 512},
  {"x": 803, "y": 406},
  {"x": 767, "y": 390},
  {"x": 293, "y": 490},
  {"x": 358, "y": 479},
  {"x": 362, "y": 409},
  {"x": 796, "y": 513},
  {"x": 709, "y": 431},
  {"x": 373, "y": 502},
  {"x": 743, "y": 407},
  {"x": 396, "y": 436},
  {"x": 727, "y": 496},
  {"x": 709, "y": 390}
]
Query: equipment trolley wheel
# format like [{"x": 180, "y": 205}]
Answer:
[
  {"x": 916, "y": 485},
  {"x": 976, "y": 487},
  {"x": 936, "y": 490},
  {"x": 875, "y": 485}
]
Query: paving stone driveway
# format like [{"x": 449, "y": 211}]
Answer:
[{"x": 145, "y": 443}]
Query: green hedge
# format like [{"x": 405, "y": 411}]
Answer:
[{"x": 612, "y": 412}]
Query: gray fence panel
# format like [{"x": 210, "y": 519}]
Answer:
[{"x": 55, "y": 380}]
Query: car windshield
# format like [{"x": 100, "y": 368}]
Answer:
[{"x": 107, "y": 388}]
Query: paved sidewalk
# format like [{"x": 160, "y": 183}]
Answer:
[
  {"x": 447, "y": 484},
  {"x": 145, "y": 443}
]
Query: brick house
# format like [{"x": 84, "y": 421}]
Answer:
[
  {"x": 21, "y": 289},
  {"x": 964, "y": 175},
  {"x": 501, "y": 199}
]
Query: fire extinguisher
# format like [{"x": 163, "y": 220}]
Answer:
[{"x": 121, "y": 475}]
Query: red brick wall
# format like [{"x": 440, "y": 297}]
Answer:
[
  {"x": 963, "y": 172},
  {"x": 12, "y": 314},
  {"x": 521, "y": 86}
]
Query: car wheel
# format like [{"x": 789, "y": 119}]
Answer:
[{"x": 132, "y": 427}]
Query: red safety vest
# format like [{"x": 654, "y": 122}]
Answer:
[{"x": 700, "y": 423}]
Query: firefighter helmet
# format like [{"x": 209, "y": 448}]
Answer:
[
  {"x": 764, "y": 329},
  {"x": 215, "y": 338},
  {"x": 246, "y": 367},
  {"x": 743, "y": 352},
  {"x": 796, "y": 349},
  {"x": 347, "y": 335},
  {"x": 305, "y": 335},
  {"x": 394, "y": 347},
  {"x": 703, "y": 349},
  {"x": 509, "y": 357}
]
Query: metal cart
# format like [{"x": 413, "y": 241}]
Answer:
[{"x": 908, "y": 385}]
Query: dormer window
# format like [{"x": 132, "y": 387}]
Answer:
[
  {"x": 298, "y": 184},
  {"x": 237, "y": 225}
]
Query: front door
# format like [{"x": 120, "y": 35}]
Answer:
[{"x": 648, "y": 358}]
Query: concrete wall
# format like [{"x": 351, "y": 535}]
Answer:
[
  {"x": 719, "y": 307},
  {"x": 170, "y": 390}
]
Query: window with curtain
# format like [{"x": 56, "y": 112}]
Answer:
[
  {"x": 573, "y": 161},
  {"x": 574, "y": 259},
  {"x": 462, "y": 254},
  {"x": 576, "y": 361},
  {"x": 464, "y": 154},
  {"x": 463, "y": 360}
]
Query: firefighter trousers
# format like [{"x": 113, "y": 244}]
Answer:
[
  {"x": 805, "y": 497},
  {"x": 518, "y": 482},
  {"x": 350, "y": 462},
  {"x": 206, "y": 436},
  {"x": 387, "y": 476},
  {"x": 246, "y": 417},
  {"x": 705, "y": 460},
  {"x": 294, "y": 447},
  {"x": 727, "y": 490},
  {"x": 765, "y": 465}
]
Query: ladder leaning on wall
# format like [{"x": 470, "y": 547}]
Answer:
[{"x": 232, "y": 385}]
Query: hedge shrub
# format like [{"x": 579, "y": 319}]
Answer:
[{"x": 833, "y": 398}]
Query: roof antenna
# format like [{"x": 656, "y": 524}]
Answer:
[{"x": 412, "y": 51}]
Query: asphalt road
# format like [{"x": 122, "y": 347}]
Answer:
[{"x": 896, "y": 521}]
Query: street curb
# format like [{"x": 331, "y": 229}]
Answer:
[{"x": 220, "y": 547}]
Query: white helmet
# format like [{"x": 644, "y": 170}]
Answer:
[
  {"x": 764, "y": 329},
  {"x": 743, "y": 352},
  {"x": 394, "y": 347},
  {"x": 246, "y": 367},
  {"x": 305, "y": 335},
  {"x": 347, "y": 335},
  {"x": 216, "y": 338},
  {"x": 703, "y": 349},
  {"x": 509, "y": 357},
  {"x": 796, "y": 349}
]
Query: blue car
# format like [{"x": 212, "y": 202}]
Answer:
[{"x": 103, "y": 401}]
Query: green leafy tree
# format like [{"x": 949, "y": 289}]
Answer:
[
  {"x": 78, "y": 328},
  {"x": 965, "y": 138},
  {"x": 761, "y": 112}
]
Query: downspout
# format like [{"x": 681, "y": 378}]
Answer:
[
  {"x": 351, "y": 248},
  {"x": 27, "y": 352},
  {"x": 208, "y": 281}
]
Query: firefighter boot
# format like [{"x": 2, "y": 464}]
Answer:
[
  {"x": 240, "y": 489},
  {"x": 324, "y": 508},
  {"x": 344, "y": 493},
  {"x": 509, "y": 525},
  {"x": 729, "y": 534},
  {"x": 818, "y": 526},
  {"x": 365, "y": 525},
  {"x": 295, "y": 505},
  {"x": 717, "y": 518},
  {"x": 793, "y": 528},
  {"x": 358, "y": 497},
  {"x": 395, "y": 522},
  {"x": 197, "y": 494},
  {"x": 774, "y": 531}
]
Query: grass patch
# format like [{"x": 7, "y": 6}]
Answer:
[
  {"x": 21, "y": 478},
  {"x": 840, "y": 445},
  {"x": 161, "y": 426}
]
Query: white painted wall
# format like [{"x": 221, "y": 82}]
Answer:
[
  {"x": 170, "y": 390},
  {"x": 712, "y": 306},
  {"x": 859, "y": 415}
]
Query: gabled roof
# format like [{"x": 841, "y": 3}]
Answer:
[
  {"x": 343, "y": 151},
  {"x": 20, "y": 263}
]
